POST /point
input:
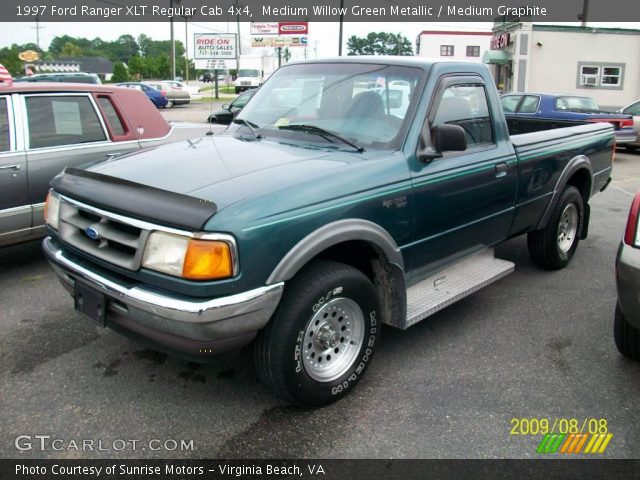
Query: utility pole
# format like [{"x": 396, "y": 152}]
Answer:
[
  {"x": 340, "y": 35},
  {"x": 37, "y": 29},
  {"x": 186, "y": 48},
  {"x": 239, "y": 38}
]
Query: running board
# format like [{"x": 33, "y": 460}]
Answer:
[{"x": 454, "y": 283}]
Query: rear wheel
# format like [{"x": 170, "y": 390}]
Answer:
[
  {"x": 553, "y": 246},
  {"x": 322, "y": 337},
  {"x": 626, "y": 336},
  {"x": 237, "y": 90}
]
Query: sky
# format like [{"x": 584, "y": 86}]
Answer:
[{"x": 323, "y": 36}]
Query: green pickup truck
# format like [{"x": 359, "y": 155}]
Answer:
[{"x": 372, "y": 192}]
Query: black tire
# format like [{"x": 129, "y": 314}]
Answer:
[
  {"x": 237, "y": 90},
  {"x": 626, "y": 336},
  {"x": 281, "y": 345},
  {"x": 544, "y": 245}
]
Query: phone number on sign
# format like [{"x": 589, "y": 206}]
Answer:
[{"x": 537, "y": 426}]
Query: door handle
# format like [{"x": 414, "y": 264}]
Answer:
[
  {"x": 111, "y": 156},
  {"x": 10, "y": 167},
  {"x": 501, "y": 170}
]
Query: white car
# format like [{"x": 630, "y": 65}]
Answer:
[{"x": 193, "y": 90}]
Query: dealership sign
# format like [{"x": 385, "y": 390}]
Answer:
[
  {"x": 214, "y": 46},
  {"x": 279, "y": 42},
  {"x": 500, "y": 40},
  {"x": 29, "y": 56},
  {"x": 280, "y": 28}
]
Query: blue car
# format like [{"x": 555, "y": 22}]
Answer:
[
  {"x": 157, "y": 97},
  {"x": 566, "y": 110}
]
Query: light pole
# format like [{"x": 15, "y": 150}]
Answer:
[
  {"x": 340, "y": 35},
  {"x": 186, "y": 48}
]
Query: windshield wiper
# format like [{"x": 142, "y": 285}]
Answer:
[
  {"x": 250, "y": 125},
  {"x": 322, "y": 132}
]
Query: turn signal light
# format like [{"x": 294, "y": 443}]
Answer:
[{"x": 207, "y": 260}]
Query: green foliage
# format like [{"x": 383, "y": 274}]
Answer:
[
  {"x": 120, "y": 73},
  {"x": 380, "y": 43}
]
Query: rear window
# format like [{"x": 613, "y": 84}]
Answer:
[
  {"x": 112, "y": 116},
  {"x": 4, "y": 125},
  {"x": 57, "y": 120},
  {"x": 577, "y": 104}
]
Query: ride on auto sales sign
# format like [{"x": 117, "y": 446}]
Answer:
[{"x": 221, "y": 46}]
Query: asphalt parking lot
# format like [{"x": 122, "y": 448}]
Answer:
[{"x": 536, "y": 344}]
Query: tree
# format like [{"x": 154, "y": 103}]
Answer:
[
  {"x": 71, "y": 50},
  {"x": 379, "y": 43},
  {"x": 136, "y": 66},
  {"x": 120, "y": 73}
]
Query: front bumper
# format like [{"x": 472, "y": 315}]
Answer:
[
  {"x": 193, "y": 326},
  {"x": 628, "y": 282}
]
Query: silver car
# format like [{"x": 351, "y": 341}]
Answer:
[
  {"x": 633, "y": 109},
  {"x": 627, "y": 317}
]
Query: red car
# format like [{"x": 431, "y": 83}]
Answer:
[{"x": 45, "y": 127}]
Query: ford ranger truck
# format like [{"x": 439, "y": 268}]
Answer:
[{"x": 320, "y": 215}]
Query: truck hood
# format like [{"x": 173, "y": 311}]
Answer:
[{"x": 226, "y": 169}]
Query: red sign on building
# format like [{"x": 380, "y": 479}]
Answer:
[{"x": 293, "y": 28}]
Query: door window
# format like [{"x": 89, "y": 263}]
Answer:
[
  {"x": 632, "y": 109},
  {"x": 62, "y": 120},
  {"x": 529, "y": 104},
  {"x": 510, "y": 103},
  {"x": 112, "y": 116},
  {"x": 466, "y": 106},
  {"x": 4, "y": 126}
]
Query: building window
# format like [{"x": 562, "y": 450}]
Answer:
[
  {"x": 473, "y": 51},
  {"x": 600, "y": 75},
  {"x": 611, "y": 76},
  {"x": 446, "y": 50}
]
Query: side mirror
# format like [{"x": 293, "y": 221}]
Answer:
[
  {"x": 444, "y": 138},
  {"x": 226, "y": 106}
]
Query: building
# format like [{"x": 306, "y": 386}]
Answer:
[
  {"x": 602, "y": 63},
  {"x": 470, "y": 46},
  {"x": 101, "y": 66}
]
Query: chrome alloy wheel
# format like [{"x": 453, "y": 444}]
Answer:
[
  {"x": 568, "y": 227},
  {"x": 332, "y": 339}
]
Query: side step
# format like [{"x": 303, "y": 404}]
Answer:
[{"x": 454, "y": 283}]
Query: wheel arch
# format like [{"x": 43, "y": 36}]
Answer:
[
  {"x": 361, "y": 244},
  {"x": 577, "y": 173}
]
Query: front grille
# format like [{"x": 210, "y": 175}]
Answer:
[
  {"x": 243, "y": 83},
  {"x": 117, "y": 242}
]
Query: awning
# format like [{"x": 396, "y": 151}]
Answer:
[{"x": 498, "y": 57}]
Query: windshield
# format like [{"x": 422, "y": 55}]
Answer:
[
  {"x": 248, "y": 73},
  {"x": 577, "y": 104},
  {"x": 366, "y": 104}
]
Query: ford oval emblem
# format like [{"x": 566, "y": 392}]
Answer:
[{"x": 92, "y": 233}]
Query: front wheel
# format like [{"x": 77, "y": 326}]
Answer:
[
  {"x": 322, "y": 337},
  {"x": 553, "y": 246}
]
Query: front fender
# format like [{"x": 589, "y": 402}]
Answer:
[{"x": 333, "y": 234}]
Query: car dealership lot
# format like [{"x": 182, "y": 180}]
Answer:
[{"x": 536, "y": 344}]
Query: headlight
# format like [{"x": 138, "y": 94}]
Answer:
[
  {"x": 52, "y": 210},
  {"x": 186, "y": 257}
]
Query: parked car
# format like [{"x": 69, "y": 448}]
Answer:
[
  {"x": 194, "y": 90},
  {"x": 229, "y": 111},
  {"x": 626, "y": 331},
  {"x": 45, "y": 127},
  {"x": 175, "y": 96},
  {"x": 304, "y": 228},
  {"x": 566, "y": 110},
  {"x": 157, "y": 97},
  {"x": 633, "y": 109},
  {"x": 65, "y": 77}
]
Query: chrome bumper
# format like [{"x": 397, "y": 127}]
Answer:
[{"x": 191, "y": 325}]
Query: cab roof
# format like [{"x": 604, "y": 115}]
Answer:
[{"x": 37, "y": 87}]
